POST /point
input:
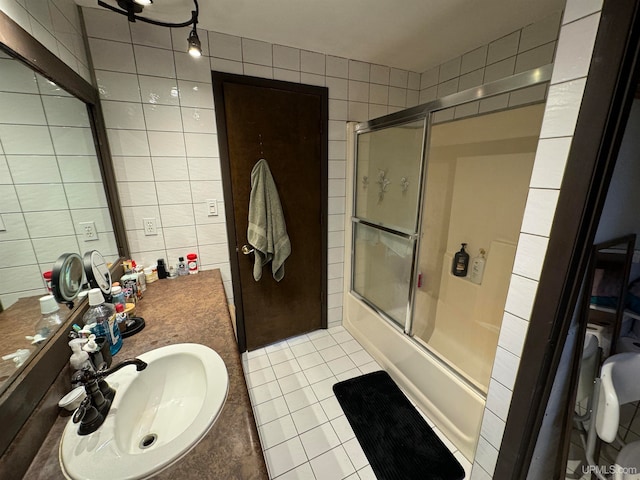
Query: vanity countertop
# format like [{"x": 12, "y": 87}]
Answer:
[{"x": 191, "y": 309}]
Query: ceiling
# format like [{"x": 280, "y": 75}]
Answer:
[{"x": 409, "y": 34}]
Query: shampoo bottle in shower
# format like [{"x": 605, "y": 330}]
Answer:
[
  {"x": 460, "y": 262},
  {"x": 477, "y": 267}
]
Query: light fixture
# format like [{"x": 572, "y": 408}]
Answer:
[
  {"x": 133, "y": 8},
  {"x": 195, "y": 48}
]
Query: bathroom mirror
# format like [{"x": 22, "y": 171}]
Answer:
[
  {"x": 67, "y": 279},
  {"x": 59, "y": 195}
]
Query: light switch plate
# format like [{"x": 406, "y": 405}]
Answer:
[
  {"x": 3, "y": 228},
  {"x": 212, "y": 205}
]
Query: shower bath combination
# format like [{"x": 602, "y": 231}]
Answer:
[{"x": 423, "y": 182}]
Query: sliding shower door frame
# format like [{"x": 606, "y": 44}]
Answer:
[{"x": 425, "y": 113}]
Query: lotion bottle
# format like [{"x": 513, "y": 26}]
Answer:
[{"x": 477, "y": 267}]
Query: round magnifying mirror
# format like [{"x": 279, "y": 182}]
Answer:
[
  {"x": 67, "y": 278},
  {"x": 97, "y": 272}
]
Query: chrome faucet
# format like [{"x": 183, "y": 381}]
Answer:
[{"x": 96, "y": 405}]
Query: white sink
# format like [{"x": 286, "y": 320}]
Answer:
[{"x": 157, "y": 415}]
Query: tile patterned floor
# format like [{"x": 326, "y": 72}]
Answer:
[{"x": 303, "y": 430}]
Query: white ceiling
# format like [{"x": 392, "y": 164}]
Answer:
[{"x": 409, "y": 34}]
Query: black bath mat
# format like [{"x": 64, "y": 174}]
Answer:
[{"x": 397, "y": 441}]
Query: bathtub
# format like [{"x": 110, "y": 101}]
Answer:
[{"x": 454, "y": 407}]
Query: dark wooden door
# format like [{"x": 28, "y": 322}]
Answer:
[{"x": 285, "y": 124}]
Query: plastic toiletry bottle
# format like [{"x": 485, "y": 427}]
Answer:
[
  {"x": 162, "y": 269},
  {"x": 192, "y": 262},
  {"x": 117, "y": 295},
  {"x": 104, "y": 316},
  {"x": 51, "y": 319},
  {"x": 94, "y": 351},
  {"x": 477, "y": 267},
  {"x": 182, "y": 267},
  {"x": 460, "y": 262},
  {"x": 79, "y": 358},
  {"x": 142, "y": 280},
  {"x": 121, "y": 317}
]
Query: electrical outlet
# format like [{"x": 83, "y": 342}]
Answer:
[
  {"x": 150, "y": 226},
  {"x": 213, "y": 207},
  {"x": 89, "y": 231}
]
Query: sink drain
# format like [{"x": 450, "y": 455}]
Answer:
[{"x": 148, "y": 440}]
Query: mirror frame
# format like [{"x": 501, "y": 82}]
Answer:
[{"x": 30, "y": 386}]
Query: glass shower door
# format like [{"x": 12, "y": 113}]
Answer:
[{"x": 386, "y": 205}]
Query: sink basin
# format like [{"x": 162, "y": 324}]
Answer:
[{"x": 156, "y": 417}]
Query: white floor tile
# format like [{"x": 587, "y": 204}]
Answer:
[
  {"x": 323, "y": 342},
  {"x": 255, "y": 353},
  {"x": 303, "y": 472},
  {"x": 309, "y": 417},
  {"x": 280, "y": 356},
  {"x": 310, "y": 360},
  {"x": 292, "y": 382},
  {"x": 318, "y": 334},
  {"x": 260, "y": 377},
  {"x": 366, "y": 473},
  {"x": 355, "y": 453},
  {"x": 270, "y": 410},
  {"x": 354, "y": 372},
  {"x": 266, "y": 391},
  {"x": 332, "y": 465},
  {"x": 300, "y": 398},
  {"x": 332, "y": 407},
  {"x": 319, "y": 440},
  {"x": 343, "y": 428},
  {"x": 369, "y": 367},
  {"x": 324, "y": 388},
  {"x": 317, "y": 373},
  {"x": 297, "y": 340},
  {"x": 257, "y": 363},
  {"x": 286, "y": 368},
  {"x": 284, "y": 457},
  {"x": 342, "y": 337},
  {"x": 351, "y": 346},
  {"x": 303, "y": 348},
  {"x": 331, "y": 353},
  {"x": 360, "y": 357},
  {"x": 277, "y": 431},
  {"x": 340, "y": 365},
  {"x": 274, "y": 347}
]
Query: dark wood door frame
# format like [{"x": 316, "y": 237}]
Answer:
[
  {"x": 609, "y": 91},
  {"x": 219, "y": 78}
]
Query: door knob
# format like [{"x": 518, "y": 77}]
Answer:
[{"x": 246, "y": 249}]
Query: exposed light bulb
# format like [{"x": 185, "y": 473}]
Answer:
[
  {"x": 143, "y": 2},
  {"x": 195, "y": 47}
]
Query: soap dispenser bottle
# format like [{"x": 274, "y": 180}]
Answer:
[
  {"x": 104, "y": 316},
  {"x": 477, "y": 267},
  {"x": 460, "y": 262}
]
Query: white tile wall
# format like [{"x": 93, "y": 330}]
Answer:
[
  {"x": 160, "y": 117},
  {"x": 54, "y": 23},
  {"x": 574, "y": 50},
  {"x": 530, "y": 47}
]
